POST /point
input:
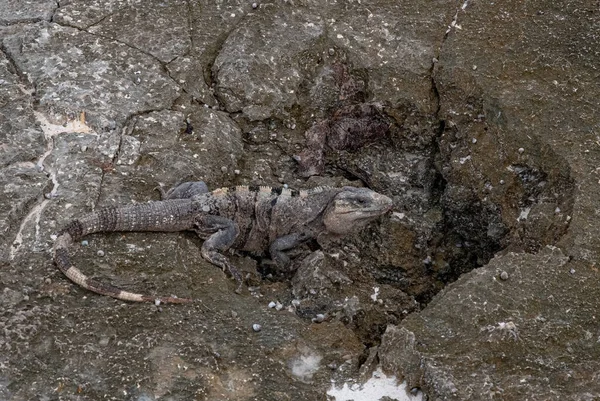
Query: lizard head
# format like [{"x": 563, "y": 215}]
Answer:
[{"x": 353, "y": 208}]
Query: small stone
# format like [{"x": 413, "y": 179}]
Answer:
[
  {"x": 237, "y": 172},
  {"x": 501, "y": 182},
  {"x": 331, "y": 51},
  {"x": 557, "y": 210},
  {"x": 100, "y": 253},
  {"x": 572, "y": 271},
  {"x": 474, "y": 67},
  {"x": 279, "y": 306},
  {"x": 224, "y": 169},
  {"x": 48, "y": 281},
  {"x": 84, "y": 242},
  {"x": 521, "y": 150},
  {"x": 255, "y": 5},
  {"x": 157, "y": 302},
  {"x": 319, "y": 318},
  {"x": 234, "y": 314},
  {"x": 272, "y": 304},
  {"x": 474, "y": 140},
  {"x": 256, "y": 327},
  {"x": 504, "y": 275}
]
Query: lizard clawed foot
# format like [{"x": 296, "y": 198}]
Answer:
[{"x": 220, "y": 260}]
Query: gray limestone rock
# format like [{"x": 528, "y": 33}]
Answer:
[
  {"x": 493, "y": 145},
  {"x": 136, "y": 26},
  {"x": 21, "y": 139},
  {"x": 483, "y": 337},
  {"x": 74, "y": 71},
  {"x": 193, "y": 70},
  {"x": 258, "y": 71},
  {"x": 15, "y": 11},
  {"x": 24, "y": 187}
]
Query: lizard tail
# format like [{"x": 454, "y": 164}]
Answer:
[{"x": 63, "y": 261}]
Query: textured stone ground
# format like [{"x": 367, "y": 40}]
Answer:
[{"x": 491, "y": 157}]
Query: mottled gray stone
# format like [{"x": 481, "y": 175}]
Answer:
[
  {"x": 258, "y": 71},
  {"x": 16, "y": 11},
  {"x": 23, "y": 186},
  {"x": 21, "y": 139},
  {"x": 493, "y": 144},
  {"x": 193, "y": 70},
  {"x": 166, "y": 149},
  {"x": 395, "y": 42},
  {"x": 84, "y": 14},
  {"x": 74, "y": 71},
  {"x": 483, "y": 338},
  {"x": 136, "y": 26},
  {"x": 315, "y": 276}
]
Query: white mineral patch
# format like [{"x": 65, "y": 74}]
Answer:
[
  {"x": 50, "y": 130},
  {"x": 524, "y": 214},
  {"x": 378, "y": 386},
  {"x": 375, "y": 294},
  {"x": 305, "y": 365}
]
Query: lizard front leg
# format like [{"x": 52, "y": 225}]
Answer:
[
  {"x": 283, "y": 243},
  {"x": 220, "y": 234}
]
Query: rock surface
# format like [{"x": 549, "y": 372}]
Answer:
[{"x": 481, "y": 284}]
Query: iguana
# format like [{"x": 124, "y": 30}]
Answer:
[{"x": 245, "y": 218}]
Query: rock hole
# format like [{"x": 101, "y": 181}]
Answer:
[{"x": 461, "y": 196}]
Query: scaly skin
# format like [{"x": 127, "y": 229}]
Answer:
[{"x": 244, "y": 218}]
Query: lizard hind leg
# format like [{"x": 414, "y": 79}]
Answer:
[
  {"x": 222, "y": 233},
  {"x": 184, "y": 190}
]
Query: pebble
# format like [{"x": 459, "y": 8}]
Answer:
[
  {"x": 521, "y": 150},
  {"x": 474, "y": 140},
  {"x": 272, "y": 304},
  {"x": 256, "y": 327},
  {"x": 84, "y": 242},
  {"x": 255, "y": 5},
  {"x": 331, "y": 51},
  {"x": 572, "y": 271},
  {"x": 100, "y": 253},
  {"x": 504, "y": 275},
  {"x": 48, "y": 281},
  {"x": 319, "y": 318}
]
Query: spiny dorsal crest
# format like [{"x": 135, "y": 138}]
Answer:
[{"x": 266, "y": 190}]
